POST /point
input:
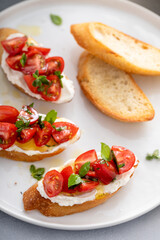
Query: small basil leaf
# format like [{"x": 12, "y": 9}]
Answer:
[
  {"x": 51, "y": 116},
  {"x": 84, "y": 169},
  {"x": 40, "y": 171},
  {"x": 106, "y": 152},
  {"x": 74, "y": 180},
  {"x": 56, "y": 19},
  {"x": 23, "y": 59},
  {"x": 154, "y": 155},
  {"x": 31, "y": 105},
  {"x": 32, "y": 169},
  {"x": 121, "y": 165}
]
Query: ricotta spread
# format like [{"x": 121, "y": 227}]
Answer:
[
  {"x": 65, "y": 200},
  {"x": 16, "y": 78},
  {"x": 50, "y": 149}
]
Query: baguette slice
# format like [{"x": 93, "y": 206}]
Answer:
[
  {"x": 117, "y": 48},
  {"x": 33, "y": 200},
  {"x": 113, "y": 91},
  {"x": 67, "y": 92}
]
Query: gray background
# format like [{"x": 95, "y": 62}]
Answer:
[{"x": 145, "y": 227}]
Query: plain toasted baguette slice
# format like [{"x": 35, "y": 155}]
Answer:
[
  {"x": 113, "y": 91},
  {"x": 33, "y": 200},
  {"x": 117, "y": 48}
]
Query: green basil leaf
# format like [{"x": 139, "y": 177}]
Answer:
[
  {"x": 60, "y": 76},
  {"x": 74, "y": 180},
  {"x": 154, "y": 155},
  {"x": 32, "y": 169},
  {"x": 121, "y": 165},
  {"x": 40, "y": 122},
  {"x": 40, "y": 171},
  {"x": 106, "y": 152},
  {"x": 84, "y": 169},
  {"x": 51, "y": 116},
  {"x": 23, "y": 59},
  {"x": 59, "y": 129},
  {"x": 56, "y": 19},
  {"x": 31, "y": 105}
]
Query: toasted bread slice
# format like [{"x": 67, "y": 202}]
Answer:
[
  {"x": 117, "y": 48},
  {"x": 33, "y": 200},
  {"x": 113, "y": 91}
]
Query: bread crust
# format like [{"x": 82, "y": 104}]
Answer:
[
  {"x": 33, "y": 200},
  {"x": 84, "y": 81},
  {"x": 83, "y": 34},
  {"x": 19, "y": 156}
]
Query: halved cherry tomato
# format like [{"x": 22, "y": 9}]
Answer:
[
  {"x": 53, "y": 182},
  {"x": 8, "y": 114},
  {"x": 54, "y": 64},
  {"x": 26, "y": 135},
  {"x": 15, "y": 45},
  {"x": 53, "y": 91},
  {"x": 8, "y": 135},
  {"x": 105, "y": 171},
  {"x": 35, "y": 61},
  {"x": 89, "y": 156},
  {"x": 29, "y": 79},
  {"x": 68, "y": 133},
  {"x": 124, "y": 158},
  {"x": 29, "y": 113},
  {"x": 91, "y": 174},
  {"x": 43, "y": 50},
  {"x": 14, "y": 62},
  {"x": 66, "y": 172},
  {"x": 43, "y": 135},
  {"x": 87, "y": 185}
]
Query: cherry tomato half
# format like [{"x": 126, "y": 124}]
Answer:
[
  {"x": 53, "y": 182},
  {"x": 8, "y": 135},
  {"x": 14, "y": 62},
  {"x": 26, "y": 135},
  {"x": 54, "y": 64},
  {"x": 68, "y": 131},
  {"x": 87, "y": 185},
  {"x": 29, "y": 79},
  {"x": 8, "y": 114},
  {"x": 105, "y": 171},
  {"x": 53, "y": 91},
  {"x": 29, "y": 113},
  {"x": 42, "y": 50},
  {"x": 89, "y": 156},
  {"x": 124, "y": 158},
  {"x": 43, "y": 135},
  {"x": 35, "y": 61},
  {"x": 15, "y": 45},
  {"x": 66, "y": 172}
]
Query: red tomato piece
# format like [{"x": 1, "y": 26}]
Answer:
[
  {"x": 14, "y": 62},
  {"x": 42, "y": 50},
  {"x": 89, "y": 156},
  {"x": 8, "y": 135},
  {"x": 26, "y": 135},
  {"x": 8, "y": 114},
  {"x": 43, "y": 135},
  {"x": 54, "y": 64},
  {"x": 124, "y": 158},
  {"x": 35, "y": 61},
  {"x": 87, "y": 185},
  {"x": 68, "y": 133},
  {"x": 15, "y": 45},
  {"x": 105, "y": 171},
  {"x": 66, "y": 172},
  {"x": 91, "y": 174},
  {"x": 29, "y": 113},
  {"x": 52, "y": 91},
  {"x": 29, "y": 79},
  {"x": 53, "y": 182}
]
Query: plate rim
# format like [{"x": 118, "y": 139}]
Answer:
[{"x": 155, "y": 17}]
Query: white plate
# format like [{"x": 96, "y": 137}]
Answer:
[{"x": 143, "y": 192}]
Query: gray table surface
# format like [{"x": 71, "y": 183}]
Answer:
[{"x": 146, "y": 227}]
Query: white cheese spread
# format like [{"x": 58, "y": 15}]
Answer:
[
  {"x": 64, "y": 200},
  {"x": 16, "y": 78}
]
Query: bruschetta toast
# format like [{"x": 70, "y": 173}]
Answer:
[
  {"x": 117, "y": 48},
  {"x": 29, "y": 67},
  {"x": 113, "y": 91},
  {"x": 30, "y": 136},
  {"x": 83, "y": 183}
]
